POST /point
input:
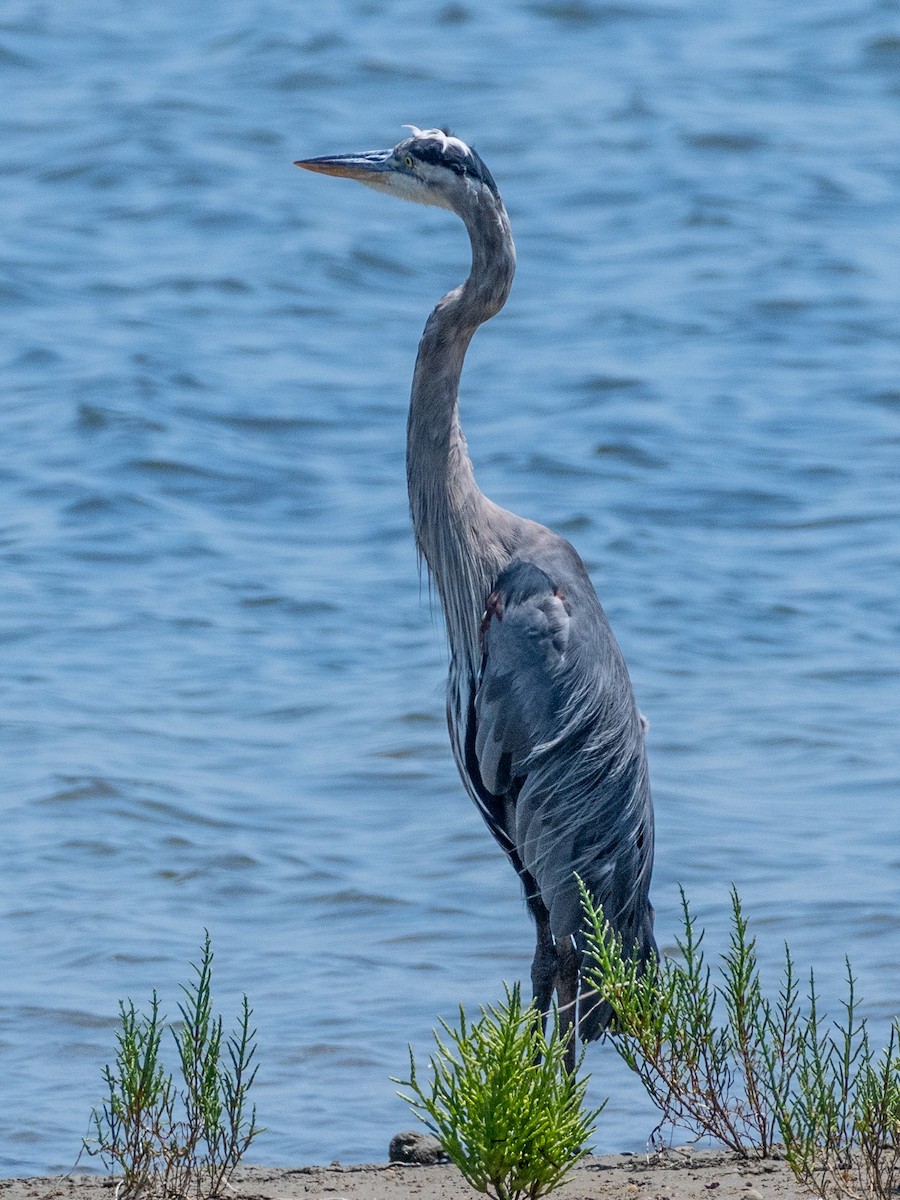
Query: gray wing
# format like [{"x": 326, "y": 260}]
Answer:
[{"x": 554, "y": 749}]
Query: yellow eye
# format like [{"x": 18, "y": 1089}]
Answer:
[{"x": 409, "y": 161}]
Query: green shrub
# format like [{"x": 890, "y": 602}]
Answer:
[
  {"x": 707, "y": 1074},
  {"x": 508, "y": 1113},
  {"x": 877, "y": 1118},
  {"x": 171, "y": 1141},
  {"x": 721, "y": 1059}
]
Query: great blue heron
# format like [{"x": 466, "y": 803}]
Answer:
[{"x": 543, "y": 722}]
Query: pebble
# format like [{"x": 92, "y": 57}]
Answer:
[{"x": 414, "y": 1147}]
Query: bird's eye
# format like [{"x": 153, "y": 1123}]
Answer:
[{"x": 409, "y": 161}]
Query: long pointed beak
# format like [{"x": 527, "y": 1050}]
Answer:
[{"x": 350, "y": 166}]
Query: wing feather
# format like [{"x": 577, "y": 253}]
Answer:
[{"x": 558, "y": 749}]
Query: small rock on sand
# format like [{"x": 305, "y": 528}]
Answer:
[{"x": 415, "y": 1147}]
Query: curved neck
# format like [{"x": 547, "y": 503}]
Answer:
[{"x": 448, "y": 510}]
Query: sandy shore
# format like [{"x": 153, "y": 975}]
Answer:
[{"x": 680, "y": 1175}]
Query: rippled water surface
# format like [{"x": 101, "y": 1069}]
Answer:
[{"x": 222, "y": 684}]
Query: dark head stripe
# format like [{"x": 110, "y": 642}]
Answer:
[{"x": 451, "y": 155}]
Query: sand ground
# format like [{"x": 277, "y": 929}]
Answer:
[{"x": 678, "y": 1175}]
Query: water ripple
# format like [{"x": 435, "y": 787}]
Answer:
[{"x": 223, "y": 684}]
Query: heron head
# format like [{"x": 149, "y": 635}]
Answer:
[{"x": 428, "y": 167}]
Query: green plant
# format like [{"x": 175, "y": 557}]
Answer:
[
  {"x": 508, "y": 1113},
  {"x": 815, "y": 1110},
  {"x": 840, "y": 1124},
  {"x": 139, "y": 1102},
  {"x": 171, "y": 1141},
  {"x": 217, "y": 1128},
  {"x": 767, "y": 1074},
  {"x": 877, "y": 1118},
  {"x": 706, "y": 1075}
]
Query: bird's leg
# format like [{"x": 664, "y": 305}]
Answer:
[
  {"x": 567, "y": 958},
  {"x": 544, "y": 965}
]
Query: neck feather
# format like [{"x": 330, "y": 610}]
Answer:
[{"x": 451, "y": 517}]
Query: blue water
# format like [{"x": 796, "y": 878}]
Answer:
[{"x": 222, "y": 677}]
